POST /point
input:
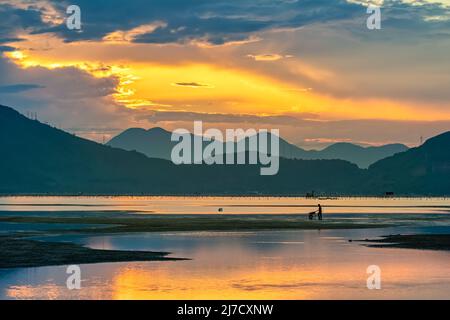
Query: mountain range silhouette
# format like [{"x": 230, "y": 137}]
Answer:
[
  {"x": 39, "y": 159},
  {"x": 156, "y": 143}
]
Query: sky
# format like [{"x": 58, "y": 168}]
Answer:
[{"x": 310, "y": 68}]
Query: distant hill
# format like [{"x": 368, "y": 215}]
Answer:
[
  {"x": 424, "y": 170},
  {"x": 362, "y": 156},
  {"x": 156, "y": 143},
  {"x": 38, "y": 159}
]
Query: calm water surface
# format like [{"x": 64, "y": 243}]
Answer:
[
  {"x": 208, "y": 205},
  {"x": 243, "y": 265}
]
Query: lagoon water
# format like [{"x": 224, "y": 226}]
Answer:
[
  {"x": 306, "y": 264},
  {"x": 232, "y": 205}
]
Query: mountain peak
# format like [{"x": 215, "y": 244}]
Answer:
[
  {"x": 144, "y": 132},
  {"x": 343, "y": 146},
  {"x": 134, "y": 130},
  {"x": 157, "y": 130}
]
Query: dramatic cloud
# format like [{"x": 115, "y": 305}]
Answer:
[
  {"x": 6, "y": 49},
  {"x": 15, "y": 88},
  {"x": 270, "y": 62},
  {"x": 64, "y": 97},
  {"x": 14, "y": 19},
  {"x": 215, "y": 22}
]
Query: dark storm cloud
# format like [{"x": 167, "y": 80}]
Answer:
[
  {"x": 216, "y": 22},
  {"x": 8, "y": 40},
  {"x": 13, "y": 19},
  {"x": 16, "y": 88},
  {"x": 6, "y": 49}
]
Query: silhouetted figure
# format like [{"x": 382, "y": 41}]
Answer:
[{"x": 319, "y": 212}]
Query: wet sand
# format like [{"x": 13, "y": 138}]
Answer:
[
  {"x": 17, "y": 252},
  {"x": 415, "y": 241}
]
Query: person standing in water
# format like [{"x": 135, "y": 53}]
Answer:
[{"x": 319, "y": 212}]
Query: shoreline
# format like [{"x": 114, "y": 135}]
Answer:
[
  {"x": 17, "y": 252},
  {"x": 436, "y": 242},
  {"x": 121, "y": 223}
]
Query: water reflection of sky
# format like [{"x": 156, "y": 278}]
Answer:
[
  {"x": 307, "y": 264},
  {"x": 238, "y": 265}
]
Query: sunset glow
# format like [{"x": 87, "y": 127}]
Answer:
[{"x": 271, "y": 73}]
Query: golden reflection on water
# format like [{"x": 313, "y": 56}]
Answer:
[
  {"x": 296, "y": 265},
  {"x": 405, "y": 274},
  {"x": 241, "y": 284},
  {"x": 46, "y": 292},
  {"x": 276, "y": 279},
  {"x": 404, "y": 277},
  {"x": 331, "y": 282},
  {"x": 55, "y": 292}
]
